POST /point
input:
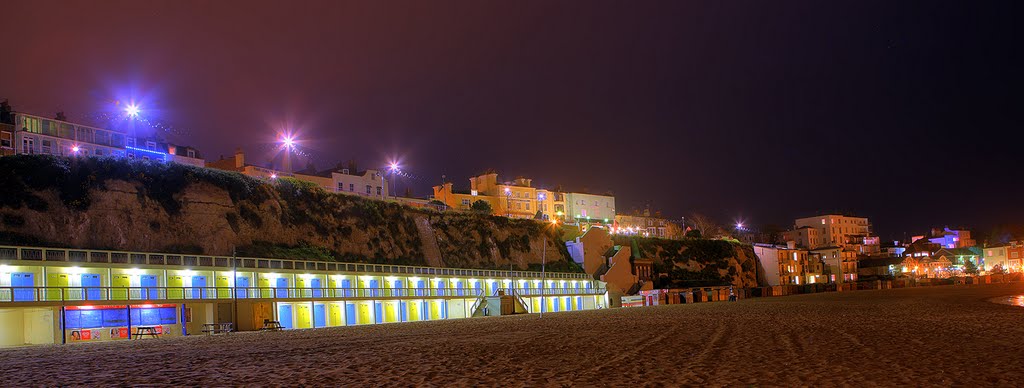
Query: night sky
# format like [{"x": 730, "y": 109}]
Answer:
[{"x": 766, "y": 111}]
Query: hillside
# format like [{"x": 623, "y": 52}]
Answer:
[
  {"x": 104, "y": 203},
  {"x": 698, "y": 262}
]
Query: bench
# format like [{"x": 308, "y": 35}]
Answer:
[
  {"x": 217, "y": 328},
  {"x": 141, "y": 331},
  {"x": 269, "y": 325}
]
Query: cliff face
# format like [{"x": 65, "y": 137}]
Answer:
[
  {"x": 140, "y": 206},
  {"x": 699, "y": 262}
]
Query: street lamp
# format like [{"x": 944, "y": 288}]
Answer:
[
  {"x": 393, "y": 168},
  {"x": 543, "y": 265},
  {"x": 508, "y": 202},
  {"x": 132, "y": 110}
]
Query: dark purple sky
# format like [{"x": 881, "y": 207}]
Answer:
[{"x": 909, "y": 114}]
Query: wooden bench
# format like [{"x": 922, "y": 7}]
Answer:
[
  {"x": 269, "y": 325},
  {"x": 217, "y": 328},
  {"x": 141, "y": 331}
]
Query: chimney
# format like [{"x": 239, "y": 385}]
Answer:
[{"x": 239, "y": 158}]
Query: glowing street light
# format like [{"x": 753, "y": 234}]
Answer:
[
  {"x": 132, "y": 110},
  {"x": 75, "y": 149},
  {"x": 288, "y": 142}
]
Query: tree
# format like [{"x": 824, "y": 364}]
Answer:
[
  {"x": 539, "y": 215},
  {"x": 61, "y": 116},
  {"x": 970, "y": 268},
  {"x": 998, "y": 269},
  {"x": 481, "y": 206},
  {"x": 707, "y": 227},
  {"x": 5, "y": 112},
  {"x": 695, "y": 233}
]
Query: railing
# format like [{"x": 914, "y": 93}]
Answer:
[
  {"x": 558, "y": 291},
  {"x": 65, "y": 294},
  {"x": 228, "y": 263}
]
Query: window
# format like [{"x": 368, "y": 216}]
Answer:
[
  {"x": 341, "y": 186},
  {"x": 352, "y": 187},
  {"x": 6, "y": 139},
  {"x": 85, "y": 134},
  {"x": 368, "y": 188},
  {"x": 47, "y": 146},
  {"x": 465, "y": 202},
  {"x": 67, "y": 131},
  {"x": 192, "y": 154},
  {"x": 527, "y": 206},
  {"x": 151, "y": 145},
  {"x": 30, "y": 124},
  {"x": 130, "y": 142},
  {"x": 378, "y": 190},
  {"x": 103, "y": 137},
  {"x": 28, "y": 145}
]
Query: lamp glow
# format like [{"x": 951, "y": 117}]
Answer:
[{"x": 132, "y": 110}]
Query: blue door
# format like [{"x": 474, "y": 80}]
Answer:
[
  {"x": 444, "y": 309},
  {"x": 199, "y": 287},
  {"x": 241, "y": 284},
  {"x": 425, "y": 310},
  {"x": 399, "y": 289},
  {"x": 350, "y": 313},
  {"x": 284, "y": 315},
  {"x": 579, "y": 303},
  {"x": 420, "y": 285},
  {"x": 440, "y": 287},
  {"x": 282, "y": 288},
  {"x": 378, "y": 312},
  {"x": 317, "y": 291},
  {"x": 92, "y": 280},
  {"x": 23, "y": 279},
  {"x": 374, "y": 285},
  {"x": 149, "y": 284},
  {"x": 458, "y": 288},
  {"x": 402, "y": 307},
  {"x": 558, "y": 304},
  {"x": 346, "y": 286},
  {"x": 494, "y": 288},
  {"x": 479, "y": 288},
  {"x": 319, "y": 315}
]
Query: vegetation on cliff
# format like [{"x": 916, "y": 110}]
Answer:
[
  {"x": 696, "y": 262},
  {"x": 178, "y": 208}
]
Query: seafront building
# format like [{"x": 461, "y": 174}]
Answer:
[
  {"x": 520, "y": 199},
  {"x": 783, "y": 264},
  {"x": 31, "y": 134},
  {"x": 52, "y": 296},
  {"x": 369, "y": 183},
  {"x": 646, "y": 224},
  {"x": 834, "y": 230}
]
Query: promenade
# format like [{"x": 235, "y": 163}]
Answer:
[{"x": 914, "y": 336}]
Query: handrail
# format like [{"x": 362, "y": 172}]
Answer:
[
  {"x": 12, "y": 294},
  {"x": 193, "y": 260}
]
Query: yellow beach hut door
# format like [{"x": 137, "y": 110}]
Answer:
[
  {"x": 120, "y": 282},
  {"x": 56, "y": 280},
  {"x": 175, "y": 287}
]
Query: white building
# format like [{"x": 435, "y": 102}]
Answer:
[{"x": 590, "y": 208}]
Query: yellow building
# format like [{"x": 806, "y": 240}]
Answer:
[{"x": 516, "y": 199}]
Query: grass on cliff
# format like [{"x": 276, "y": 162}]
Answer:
[{"x": 465, "y": 240}]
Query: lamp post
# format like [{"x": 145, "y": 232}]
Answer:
[
  {"x": 393, "y": 168},
  {"x": 508, "y": 202},
  {"x": 543, "y": 272}
]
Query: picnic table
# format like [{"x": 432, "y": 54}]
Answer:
[
  {"x": 216, "y": 328},
  {"x": 141, "y": 331},
  {"x": 269, "y": 325}
]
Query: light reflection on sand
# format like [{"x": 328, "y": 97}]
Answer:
[{"x": 1014, "y": 300}]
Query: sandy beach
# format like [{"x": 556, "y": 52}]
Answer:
[{"x": 948, "y": 335}]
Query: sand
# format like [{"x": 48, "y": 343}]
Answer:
[{"x": 948, "y": 335}]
